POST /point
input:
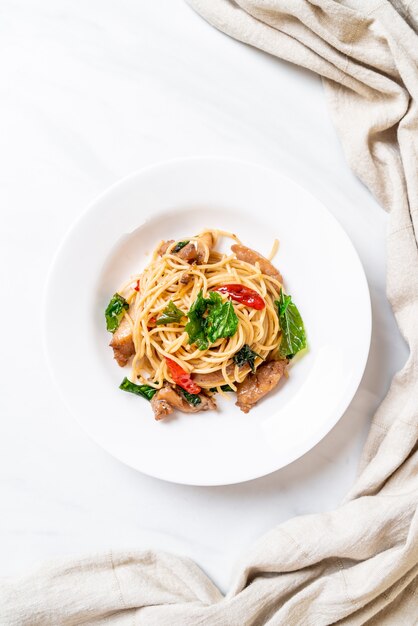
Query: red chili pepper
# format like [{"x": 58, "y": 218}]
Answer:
[
  {"x": 137, "y": 285},
  {"x": 152, "y": 321},
  {"x": 243, "y": 294},
  {"x": 182, "y": 378}
]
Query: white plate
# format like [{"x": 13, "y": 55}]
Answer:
[{"x": 322, "y": 272}]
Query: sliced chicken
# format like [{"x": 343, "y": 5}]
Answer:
[
  {"x": 167, "y": 399},
  {"x": 185, "y": 279},
  {"x": 208, "y": 240},
  {"x": 122, "y": 342},
  {"x": 188, "y": 253},
  {"x": 212, "y": 379},
  {"x": 164, "y": 246},
  {"x": 257, "y": 385},
  {"x": 193, "y": 251},
  {"x": 216, "y": 379},
  {"x": 251, "y": 256}
]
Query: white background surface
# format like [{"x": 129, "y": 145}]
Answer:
[{"x": 90, "y": 92}]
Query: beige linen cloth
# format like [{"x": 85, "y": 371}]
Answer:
[{"x": 359, "y": 563}]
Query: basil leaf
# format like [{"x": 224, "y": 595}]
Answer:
[
  {"x": 145, "y": 391},
  {"x": 191, "y": 398},
  {"x": 179, "y": 246},
  {"x": 223, "y": 387},
  {"x": 246, "y": 355},
  {"x": 291, "y": 324},
  {"x": 170, "y": 315},
  {"x": 222, "y": 321},
  {"x": 195, "y": 328},
  {"x": 114, "y": 312}
]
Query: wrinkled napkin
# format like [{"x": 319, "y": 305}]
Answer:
[{"x": 359, "y": 563}]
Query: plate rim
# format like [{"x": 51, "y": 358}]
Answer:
[{"x": 122, "y": 182}]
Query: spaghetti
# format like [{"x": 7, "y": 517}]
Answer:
[
  {"x": 163, "y": 281},
  {"x": 198, "y": 319}
]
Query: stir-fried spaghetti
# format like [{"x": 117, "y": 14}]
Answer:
[
  {"x": 163, "y": 281},
  {"x": 196, "y": 320}
]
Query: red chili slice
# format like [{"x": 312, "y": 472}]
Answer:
[
  {"x": 137, "y": 285},
  {"x": 243, "y": 294},
  {"x": 182, "y": 378},
  {"x": 151, "y": 321}
]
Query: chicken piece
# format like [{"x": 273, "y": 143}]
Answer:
[
  {"x": 160, "y": 404},
  {"x": 196, "y": 251},
  {"x": 251, "y": 256},
  {"x": 208, "y": 240},
  {"x": 212, "y": 379},
  {"x": 122, "y": 342},
  {"x": 192, "y": 251},
  {"x": 188, "y": 253},
  {"x": 185, "y": 279},
  {"x": 164, "y": 246},
  {"x": 167, "y": 399},
  {"x": 256, "y": 386},
  {"x": 216, "y": 379}
]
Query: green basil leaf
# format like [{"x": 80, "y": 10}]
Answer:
[
  {"x": 222, "y": 321},
  {"x": 179, "y": 246},
  {"x": 195, "y": 327},
  {"x": 292, "y": 327},
  {"x": 145, "y": 391},
  {"x": 246, "y": 355},
  {"x": 170, "y": 315},
  {"x": 114, "y": 312},
  {"x": 191, "y": 398}
]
